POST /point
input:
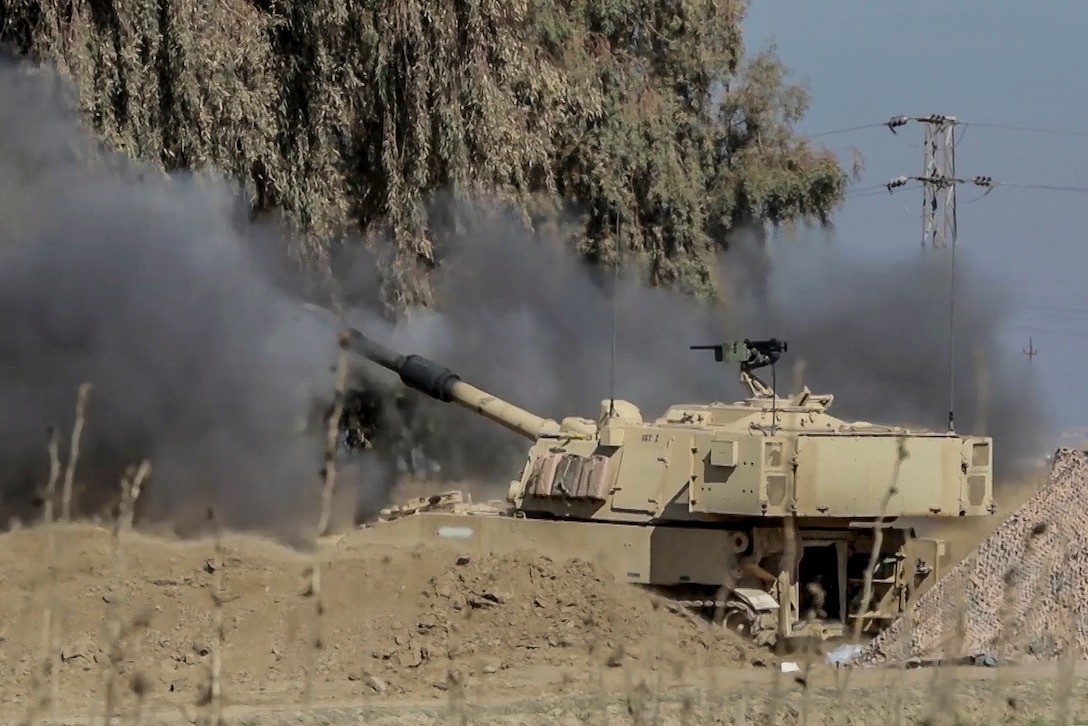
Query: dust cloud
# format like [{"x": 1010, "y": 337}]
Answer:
[{"x": 147, "y": 287}]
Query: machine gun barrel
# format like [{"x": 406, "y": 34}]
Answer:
[{"x": 439, "y": 382}]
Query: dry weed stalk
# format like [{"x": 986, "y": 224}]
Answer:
[
  {"x": 943, "y": 682},
  {"x": 73, "y": 451},
  {"x": 799, "y": 375},
  {"x": 660, "y": 655},
  {"x": 49, "y": 656},
  {"x": 790, "y": 558},
  {"x": 118, "y": 628},
  {"x": 1067, "y": 664},
  {"x": 777, "y": 696},
  {"x": 329, "y": 473},
  {"x": 878, "y": 538},
  {"x": 456, "y": 700},
  {"x": 215, "y": 675},
  {"x": 1014, "y": 577},
  {"x": 51, "y": 636},
  {"x": 899, "y": 701},
  {"x": 600, "y": 692},
  {"x": 874, "y": 558},
  {"x": 811, "y": 652}
]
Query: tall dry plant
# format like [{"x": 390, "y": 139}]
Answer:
[
  {"x": 878, "y": 538},
  {"x": 48, "y": 664},
  {"x": 50, "y": 649},
  {"x": 214, "y": 695},
  {"x": 120, "y": 625},
  {"x": 313, "y": 589},
  {"x": 73, "y": 451}
]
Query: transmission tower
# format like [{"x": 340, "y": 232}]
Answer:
[
  {"x": 938, "y": 185},
  {"x": 939, "y": 182},
  {"x": 1031, "y": 351},
  {"x": 938, "y": 178}
]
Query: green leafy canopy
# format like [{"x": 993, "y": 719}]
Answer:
[{"x": 347, "y": 116}]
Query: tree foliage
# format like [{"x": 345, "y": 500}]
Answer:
[{"x": 346, "y": 116}]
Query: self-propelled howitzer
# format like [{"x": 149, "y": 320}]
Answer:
[{"x": 765, "y": 510}]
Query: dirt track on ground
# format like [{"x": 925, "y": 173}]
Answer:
[{"x": 418, "y": 636}]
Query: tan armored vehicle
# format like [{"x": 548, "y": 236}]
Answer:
[{"x": 765, "y": 512}]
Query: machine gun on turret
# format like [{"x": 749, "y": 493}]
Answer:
[{"x": 751, "y": 354}]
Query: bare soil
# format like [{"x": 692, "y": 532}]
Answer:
[{"x": 421, "y": 636}]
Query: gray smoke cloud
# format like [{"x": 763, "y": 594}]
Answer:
[
  {"x": 526, "y": 319},
  {"x": 155, "y": 289},
  {"x": 148, "y": 287},
  {"x": 876, "y": 334}
]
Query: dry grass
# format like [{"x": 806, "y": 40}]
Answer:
[
  {"x": 215, "y": 669},
  {"x": 73, "y": 453},
  {"x": 122, "y": 624},
  {"x": 49, "y": 658}
]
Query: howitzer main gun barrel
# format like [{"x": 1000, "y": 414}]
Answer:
[{"x": 439, "y": 382}]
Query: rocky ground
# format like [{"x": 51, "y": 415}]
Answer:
[
  {"x": 422, "y": 636},
  {"x": 1021, "y": 596}
]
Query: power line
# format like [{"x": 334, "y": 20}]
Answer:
[
  {"x": 938, "y": 178},
  {"x": 1047, "y": 187},
  {"x": 1029, "y": 129},
  {"x": 910, "y": 182},
  {"x": 980, "y": 181},
  {"x": 873, "y": 190},
  {"x": 848, "y": 130},
  {"x": 896, "y": 122}
]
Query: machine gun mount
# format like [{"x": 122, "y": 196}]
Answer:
[{"x": 751, "y": 355}]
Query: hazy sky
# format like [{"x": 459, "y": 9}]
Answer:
[{"x": 1007, "y": 62}]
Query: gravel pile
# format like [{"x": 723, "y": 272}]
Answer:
[{"x": 1021, "y": 596}]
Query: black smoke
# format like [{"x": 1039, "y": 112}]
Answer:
[
  {"x": 884, "y": 338},
  {"x": 156, "y": 290},
  {"x": 524, "y": 317},
  {"x": 147, "y": 286}
]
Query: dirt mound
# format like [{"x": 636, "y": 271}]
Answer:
[
  {"x": 395, "y": 621},
  {"x": 524, "y": 604},
  {"x": 1022, "y": 595}
]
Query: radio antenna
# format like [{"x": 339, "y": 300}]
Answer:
[
  {"x": 952, "y": 340},
  {"x": 952, "y": 292},
  {"x": 615, "y": 314}
]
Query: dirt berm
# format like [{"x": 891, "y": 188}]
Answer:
[
  {"x": 395, "y": 620},
  {"x": 1021, "y": 596}
]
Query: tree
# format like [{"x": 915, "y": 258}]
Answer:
[{"x": 348, "y": 116}]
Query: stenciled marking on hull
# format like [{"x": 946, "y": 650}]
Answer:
[{"x": 455, "y": 532}]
